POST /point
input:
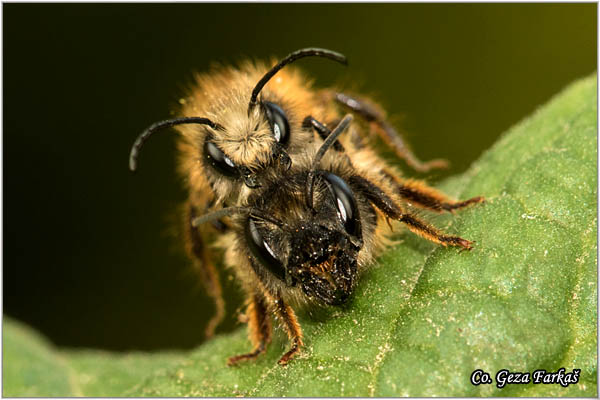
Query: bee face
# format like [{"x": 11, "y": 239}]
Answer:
[
  {"x": 324, "y": 256},
  {"x": 247, "y": 144},
  {"x": 315, "y": 249},
  {"x": 324, "y": 263}
]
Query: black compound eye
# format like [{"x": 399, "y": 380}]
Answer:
[
  {"x": 345, "y": 203},
  {"x": 279, "y": 122},
  {"x": 261, "y": 250},
  {"x": 218, "y": 160}
]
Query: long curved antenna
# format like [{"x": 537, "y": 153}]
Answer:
[
  {"x": 229, "y": 211},
  {"x": 339, "y": 129},
  {"x": 296, "y": 55},
  {"x": 139, "y": 142}
]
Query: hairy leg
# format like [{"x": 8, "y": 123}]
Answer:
[
  {"x": 392, "y": 210},
  {"x": 288, "y": 319},
  {"x": 371, "y": 113},
  {"x": 259, "y": 329},
  {"x": 423, "y": 196}
]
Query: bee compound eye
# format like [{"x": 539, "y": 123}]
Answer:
[
  {"x": 262, "y": 251},
  {"x": 279, "y": 122},
  {"x": 219, "y": 161},
  {"x": 344, "y": 202}
]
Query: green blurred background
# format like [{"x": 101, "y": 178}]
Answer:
[{"x": 91, "y": 257}]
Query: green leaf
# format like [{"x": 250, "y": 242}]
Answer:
[
  {"x": 34, "y": 368},
  {"x": 424, "y": 317},
  {"x": 31, "y": 367}
]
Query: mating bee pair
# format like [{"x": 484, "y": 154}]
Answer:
[{"x": 299, "y": 209}]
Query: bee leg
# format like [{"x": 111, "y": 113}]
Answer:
[
  {"x": 371, "y": 113},
  {"x": 416, "y": 225},
  {"x": 433, "y": 234},
  {"x": 208, "y": 273},
  {"x": 259, "y": 329},
  {"x": 323, "y": 131},
  {"x": 423, "y": 196},
  {"x": 288, "y": 319}
]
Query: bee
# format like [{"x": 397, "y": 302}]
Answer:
[
  {"x": 237, "y": 132},
  {"x": 306, "y": 235},
  {"x": 230, "y": 139}
]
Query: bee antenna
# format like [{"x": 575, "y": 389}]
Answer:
[
  {"x": 139, "y": 142},
  {"x": 290, "y": 58},
  {"x": 229, "y": 211},
  {"x": 329, "y": 141},
  {"x": 224, "y": 212}
]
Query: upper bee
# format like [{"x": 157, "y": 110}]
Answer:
[{"x": 233, "y": 130}]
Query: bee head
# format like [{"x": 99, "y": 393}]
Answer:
[
  {"x": 253, "y": 147},
  {"x": 247, "y": 145},
  {"x": 313, "y": 249},
  {"x": 324, "y": 250}
]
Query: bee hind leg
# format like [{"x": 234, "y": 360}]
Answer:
[
  {"x": 416, "y": 225},
  {"x": 259, "y": 329},
  {"x": 372, "y": 114},
  {"x": 433, "y": 234},
  {"x": 423, "y": 196}
]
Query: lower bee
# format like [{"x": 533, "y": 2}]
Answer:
[{"x": 307, "y": 235}]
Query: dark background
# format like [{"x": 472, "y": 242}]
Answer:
[{"x": 90, "y": 257}]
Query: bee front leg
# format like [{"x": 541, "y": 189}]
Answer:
[
  {"x": 288, "y": 319},
  {"x": 259, "y": 329}
]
